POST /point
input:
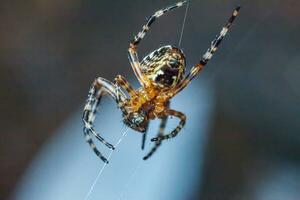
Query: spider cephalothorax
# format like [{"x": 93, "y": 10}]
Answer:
[
  {"x": 165, "y": 66},
  {"x": 161, "y": 75}
]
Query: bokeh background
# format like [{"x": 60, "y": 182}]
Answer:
[{"x": 52, "y": 50}]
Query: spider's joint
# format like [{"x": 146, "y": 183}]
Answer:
[
  {"x": 157, "y": 139},
  {"x": 235, "y": 13},
  {"x": 132, "y": 47},
  {"x": 159, "y": 13},
  {"x": 224, "y": 31},
  {"x": 87, "y": 125},
  {"x": 92, "y": 118},
  {"x": 180, "y": 3},
  {"x": 88, "y": 107},
  {"x": 207, "y": 55},
  {"x": 140, "y": 35},
  {"x": 146, "y": 27}
]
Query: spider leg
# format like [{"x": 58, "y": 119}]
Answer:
[
  {"x": 144, "y": 137},
  {"x": 208, "y": 54},
  {"x": 160, "y": 134},
  {"x": 99, "y": 88},
  {"x": 182, "y": 118},
  {"x": 132, "y": 51},
  {"x": 122, "y": 82},
  {"x": 151, "y": 19},
  {"x": 161, "y": 130},
  {"x": 144, "y": 140},
  {"x": 92, "y": 145}
]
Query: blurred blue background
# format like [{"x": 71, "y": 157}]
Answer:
[{"x": 241, "y": 140}]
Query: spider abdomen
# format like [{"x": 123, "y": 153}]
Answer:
[{"x": 164, "y": 67}]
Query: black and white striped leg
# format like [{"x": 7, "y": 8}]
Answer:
[
  {"x": 151, "y": 19},
  {"x": 92, "y": 145},
  {"x": 174, "y": 133},
  {"x": 132, "y": 51},
  {"x": 208, "y": 54},
  {"x": 99, "y": 88},
  {"x": 216, "y": 42},
  {"x": 160, "y": 134}
]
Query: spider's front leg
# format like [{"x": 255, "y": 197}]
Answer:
[
  {"x": 99, "y": 88},
  {"x": 132, "y": 51},
  {"x": 207, "y": 56},
  {"x": 181, "y": 124}
]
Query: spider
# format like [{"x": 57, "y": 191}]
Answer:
[{"x": 161, "y": 75}]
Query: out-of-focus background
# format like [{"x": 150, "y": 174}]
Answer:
[{"x": 51, "y": 51}]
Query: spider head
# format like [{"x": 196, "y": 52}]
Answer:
[
  {"x": 164, "y": 67},
  {"x": 136, "y": 121}
]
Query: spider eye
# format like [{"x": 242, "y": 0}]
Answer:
[{"x": 137, "y": 119}]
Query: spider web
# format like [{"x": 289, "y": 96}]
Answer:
[
  {"x": 183, "y": 23},
  {"x": 104, "y": 165}
]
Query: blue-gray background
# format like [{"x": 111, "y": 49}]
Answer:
[{"x": 248, "y": 110}]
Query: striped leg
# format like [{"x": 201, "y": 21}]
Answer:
[
  {"x": 92, "y": 145},
  {"x": 208, "y": 55},
  {"x": 98, "y": 89},
  {"x": 132, "y": 51},
  {"x": 182, "y": 118},
  {"x": 123, "y": 83},
  {"x": 160, "y": 134},
  {"x": 161, "y": 130}
]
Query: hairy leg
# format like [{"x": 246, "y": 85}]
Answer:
[
  {"x": 161, "y": 131},
  {"x": 99, "y": 88},
  {"x": 160, "y": 134},
  {"x": 132, "y": 51},
  {"x": 208, "y": 54},
  {"x": 181, "y": 124},
  {"x": 123, "y": 83}
]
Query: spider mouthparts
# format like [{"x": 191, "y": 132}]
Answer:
[{"x": 154, "y": 139}]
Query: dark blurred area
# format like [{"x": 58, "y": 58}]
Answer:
[{"x": 51, "y": 51}]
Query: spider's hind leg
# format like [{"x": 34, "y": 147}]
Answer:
[{"x": 99, "y": 88}]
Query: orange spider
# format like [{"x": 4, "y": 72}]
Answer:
[{"x": 161, "y": 75}]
